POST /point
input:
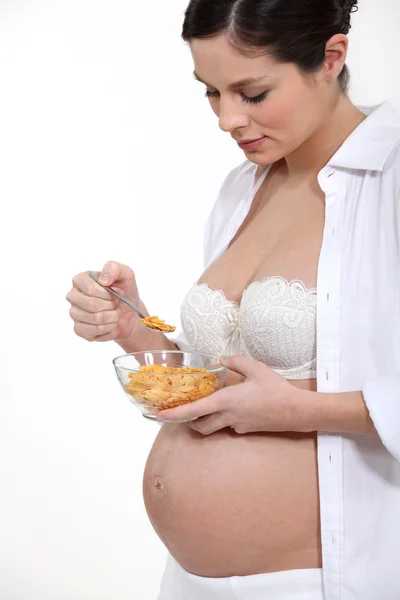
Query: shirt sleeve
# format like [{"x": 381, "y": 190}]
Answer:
[
  {"x": 382, "y": 397},
  {"x": 234, "y": 186}
]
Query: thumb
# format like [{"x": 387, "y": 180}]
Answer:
[
  {"x": 114, "y": 271},
  {"x": 240, "y": 364}
]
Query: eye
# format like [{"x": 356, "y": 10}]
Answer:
[
  {"x": 254, "y": 99},
  {"x": 210, "y": 94},
  {"x": 246, "y": 99}
]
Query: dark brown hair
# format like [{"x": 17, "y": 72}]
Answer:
[{"x": 293, "y": 31}]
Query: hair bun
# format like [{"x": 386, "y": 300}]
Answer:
[{"x": 348, "y": 7}]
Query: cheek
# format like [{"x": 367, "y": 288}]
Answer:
[
  {"x": 281, "y": 112},
  {"x": 278, "y": 113},
  {"x": 288, "y": 115}
]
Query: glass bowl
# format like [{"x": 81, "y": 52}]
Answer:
[{"x": 161, "y": 379}]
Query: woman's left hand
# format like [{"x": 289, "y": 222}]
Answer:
[{"x": 264, "y": 401}]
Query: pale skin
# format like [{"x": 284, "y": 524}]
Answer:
[
  {"x": 306, "y": 118},
  {"x": 294, "y": 107},
  {"x": 252, "y": 444},
  {"x": 264, "y": 401}
]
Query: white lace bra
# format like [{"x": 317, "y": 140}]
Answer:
[{"x": 275, "y": 323}]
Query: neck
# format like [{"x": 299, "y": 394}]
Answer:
[{"x": 314, "y": 154}]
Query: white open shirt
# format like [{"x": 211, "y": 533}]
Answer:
[{"x": 358, "y": 348}]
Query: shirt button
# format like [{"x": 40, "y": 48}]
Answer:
[{"x": 230, "y": 230}]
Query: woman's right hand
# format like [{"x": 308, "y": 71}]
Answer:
[{"x": 97, "y": 314}]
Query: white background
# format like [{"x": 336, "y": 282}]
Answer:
[{"x": 108, "y": 150}]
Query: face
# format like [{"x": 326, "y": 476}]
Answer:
[{"x": 270, "y": 108}]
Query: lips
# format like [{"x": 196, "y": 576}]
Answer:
[
  {"x": 252, "y": 145},
  {"x": 250, "y": 141}
]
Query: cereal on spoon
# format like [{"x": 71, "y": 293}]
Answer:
[{"x": 157, "y": 324}]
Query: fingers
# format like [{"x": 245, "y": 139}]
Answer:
[
  {"x": 210, "y": 424},
  {"x": 233, "y": 378},
  {"x": 187, "y": 412},
  {"x": 95, "y": 332},
  {"x": 96, "y": 313},
  {"x": 122, "y": 279},
  {"x": 200, "y": 408},
  {"x": 241, "y": 365},
  {"x": 92, "y": 304},
  {"x": 104, "y": 317},
  {"x": 85, "y": 284}
]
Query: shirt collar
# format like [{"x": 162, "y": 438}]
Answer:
[{"x": 371, "y": 143}]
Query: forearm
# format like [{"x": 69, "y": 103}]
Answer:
[
  {"x": 143, "y": 339},
  {"x": 344, "y": 412}
]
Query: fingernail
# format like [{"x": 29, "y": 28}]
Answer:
[{"x": 105, "y": 278}]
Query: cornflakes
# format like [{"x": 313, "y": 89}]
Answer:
[
  {"x": 162, "y": 387},
  {"x": 157, "y": 324}
]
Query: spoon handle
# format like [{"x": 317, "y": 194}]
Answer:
[{"x": 109, "y": 289}]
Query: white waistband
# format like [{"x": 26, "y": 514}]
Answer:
[{"x": 300, "y": 584}]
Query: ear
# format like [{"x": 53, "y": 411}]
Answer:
[{"x": 335, "y": 56}]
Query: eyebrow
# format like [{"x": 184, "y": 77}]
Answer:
[{"x": 238, "y": 84}]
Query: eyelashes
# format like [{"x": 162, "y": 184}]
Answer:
[{"x": 246, "y": 99}]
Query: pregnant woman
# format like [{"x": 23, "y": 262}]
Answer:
[{"x": 287, "y": 483}]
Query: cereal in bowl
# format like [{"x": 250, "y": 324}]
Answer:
[{"x": 163, "y": 387}]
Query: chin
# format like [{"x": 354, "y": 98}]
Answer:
[{"x": 263, "y": 158}]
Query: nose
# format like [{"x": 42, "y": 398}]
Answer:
[{"x": 232, "y": 115}]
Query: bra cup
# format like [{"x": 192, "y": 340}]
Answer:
[
  {"x": 275, "y": 324},
  {"x": 278, "y": 326},
  {"x": 211, "y": 322}
]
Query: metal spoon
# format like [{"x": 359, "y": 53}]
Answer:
[
  {"x": 109, "y": 289},
  {"x": 132, "y": 306}
]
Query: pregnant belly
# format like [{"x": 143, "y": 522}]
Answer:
[{"x": 229, "y": 504}]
